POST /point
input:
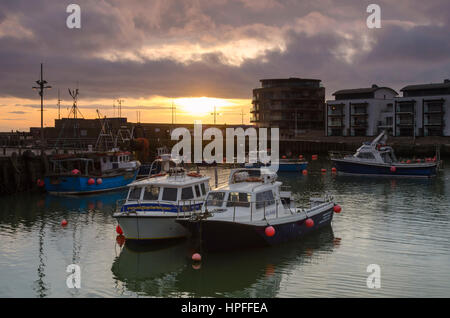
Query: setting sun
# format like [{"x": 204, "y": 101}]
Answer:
[{"x": 201, "y": 105}]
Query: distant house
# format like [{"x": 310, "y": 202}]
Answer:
[
  {"x": 424, "y": 110},
  {"x": 360, "y": 111}
]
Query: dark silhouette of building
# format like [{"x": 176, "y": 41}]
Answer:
[{"x": 295, "y": 105}]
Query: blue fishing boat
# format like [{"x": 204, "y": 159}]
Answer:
[
  {"x": 90, "y": 173},
  {"x": 377, "y": 159}
]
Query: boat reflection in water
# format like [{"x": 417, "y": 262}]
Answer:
[
  {"x": 100, "y": 201},
  {"x": 167, "y": 271}
]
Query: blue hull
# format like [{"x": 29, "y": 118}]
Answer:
[
  {"x": 224, "y": 235},
  {"x": 292, "y": 167},
  {"x": 283, "y": 167},
  {"x": 402, "y": 170},
  {"x": 76, "y": 184}
]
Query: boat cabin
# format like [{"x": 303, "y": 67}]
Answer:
[
  {"x": 90, "y": 164},
  {"x": 169, "y": 188},
  {"x": 375, "y": 153},
  {"x": 250, "y": 193}
]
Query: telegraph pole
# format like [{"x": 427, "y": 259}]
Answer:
[
  {"x": 41, "y": 87},
  {"x": 120, "y": 107},
  {"x": 59, "y": 106}
]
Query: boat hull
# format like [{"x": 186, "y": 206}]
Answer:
[
  {"x": 292, "y": 167},
  {"x": 140, "y": 228},
  {"x": 283, "y": 167},
  {"x": 154, "y": 221},
  {"x": 402, "y": 170},
  {"x": 76, "y": 184},
  {"x": 218, "y": 235}
]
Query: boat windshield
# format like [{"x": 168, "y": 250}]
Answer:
[
  {"x": 241, "y": 199},
  {"x": 215, "y": 199}
]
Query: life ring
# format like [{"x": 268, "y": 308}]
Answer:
[{"x": 194, "y": 174}]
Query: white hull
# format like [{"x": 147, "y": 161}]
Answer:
[{"x": 151, "y": 228}]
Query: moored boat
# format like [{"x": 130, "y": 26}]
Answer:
[
  {"x": 161, "y": 163},
  {"x": 90, "y": 172},
  {"x": 153, "y": 204},
  {"x": 284, "y": 164},
  {"x": 253, "y": 211},
  {"x": 377, "y": 159}
]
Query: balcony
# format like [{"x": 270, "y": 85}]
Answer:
[
  {"x": 335, "y": 124},
  {"x": 360, "y": 124}
]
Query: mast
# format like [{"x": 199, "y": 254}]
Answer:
[{"x": 41, "y": 87}]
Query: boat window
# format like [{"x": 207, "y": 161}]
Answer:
[
  {"x": 197, "y": 191},
  {"x": 264, "y": 199},
  {"x": 170, "y": 194},
  {"x": 241, "y": 199},
  {"x": 135, "y": 194},
  {"x": 151, "y": 193},
  {"x": 187, "y": 193},
  {"x": 215, "y": 199},
  {"x": 203, "y": 188},
  {"x": 366, "y": 155}
]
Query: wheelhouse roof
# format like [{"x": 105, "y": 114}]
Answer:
[{"x": 169, "y": 181}]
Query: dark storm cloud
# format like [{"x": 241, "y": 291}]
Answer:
[{"x": 114, "y": 52}]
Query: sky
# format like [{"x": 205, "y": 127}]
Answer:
[{"x": 198, "y": 54}]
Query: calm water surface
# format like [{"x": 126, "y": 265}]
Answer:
[{"x": 403, "y": 225}]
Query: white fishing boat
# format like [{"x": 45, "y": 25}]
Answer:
[
  {"x": 253, "y": 211},
  {"x": 154, "y": 203},
  {"x": 377, "y": 159}
]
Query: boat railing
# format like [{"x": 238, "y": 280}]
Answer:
[
  {"x": 184, "y": 207},
  {"x": 340, "y": 154}
]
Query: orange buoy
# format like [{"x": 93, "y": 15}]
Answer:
[
  {"x": 270, "y": 231},
  {"x": 393, "y": 169},
  {"x": 196, "y": 257},
  {"x": 119, "y": 230},
  {"x": 309, "y": 222},
  {"x": 40, "y": 183},
  {"x": 64, "y": 222},
  {"x": 314, "y": 157},
  {"x": 283, "y": 157},
  {"x": 120, "y": 239},
  {"x": 337, "y": 208},
  {"x": 99, "y": 180},
  {"x": 323, "y": 170},
  {"x": 408, "y": 161},
  {"x": 333, "y": 169},
  {"x": 305, "y": 172},
  {"x": 91, "y": 181},
  {"x": 75, "y": 171}
]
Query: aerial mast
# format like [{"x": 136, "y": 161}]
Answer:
[{"x": 41, "y": 87}]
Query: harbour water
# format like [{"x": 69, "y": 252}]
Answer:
[{"x": 402, "y": 225}]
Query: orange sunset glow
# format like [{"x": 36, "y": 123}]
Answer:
[{"x": 20, "y": 114}]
